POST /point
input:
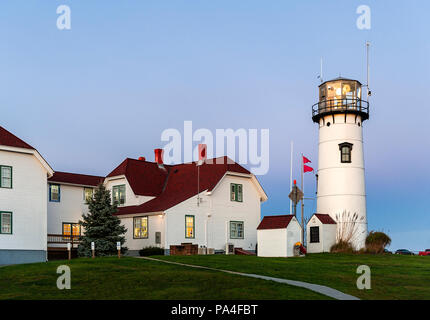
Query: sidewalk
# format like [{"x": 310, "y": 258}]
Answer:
[{"x": 327, "y": 291}]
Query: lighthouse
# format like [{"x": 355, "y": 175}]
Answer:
[{"x": 341, "y": 193}]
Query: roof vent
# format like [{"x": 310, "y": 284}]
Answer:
[{"x": 142, "y": 159}]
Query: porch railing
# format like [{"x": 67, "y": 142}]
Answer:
[{"x": 63, "y": 239}]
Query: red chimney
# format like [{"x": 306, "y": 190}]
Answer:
[
  {"x": 142, "y": 159},
  {"x": 159, "y": 155}
]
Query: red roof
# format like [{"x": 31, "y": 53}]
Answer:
[
  {"x": 10, "y": 140},
  {"x": 145, "y": 178},
  {"x": 180, "y": 182},
  {"x": 325, "y": 218},
  {"x": 74, "y": 178},
  {"x": 275, "y": 222}
]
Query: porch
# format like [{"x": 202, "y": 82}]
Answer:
[{"x": 57, "y": 246}]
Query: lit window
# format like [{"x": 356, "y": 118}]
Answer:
[
  {"x": 71, "y": 229},
  {"x": 315, "y": 234},
  {"x": 54, "y": 192},
  {"x": 189, "y": 227},
  {"x": 6, "y": 222},
  {"x": 236, "y": 192},
  {"x": 345, "y": 152},
  {"x": 140, "y": 228},
  {"x": 88, "y": 194},
  {"x": 236, "y": 229},
  {"x": 5, "y": 177},
  {"x": 118, "y": 194}
]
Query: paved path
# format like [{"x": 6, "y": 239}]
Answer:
[{"x": 330, "y": 292}]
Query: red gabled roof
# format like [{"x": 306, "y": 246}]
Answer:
[
  {"x": 10, "y": 140},
  {"x": 74, "y": 178},
  {"x": 145, "y": 178},
  {"x": 325, "y": 218},
  {"x": 181, "y": 184},
  {"x": 275, "y": 222}
]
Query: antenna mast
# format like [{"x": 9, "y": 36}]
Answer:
[
  {"x": 369, "y": 93},
  {"x": 321, "y": 71}
]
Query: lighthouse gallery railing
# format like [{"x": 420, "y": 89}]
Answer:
[{"x": 340, "y": 106}]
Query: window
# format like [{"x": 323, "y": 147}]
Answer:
[
  {"x": 71, "y": 229},
  {"x": 236, "y": 229},
  {"x": 315, "y": 234},
  {"x": 88, "y": 194},
  {"x": 54, "y": 192},
  {"x": 140, "y": 227},
  {"x": 158, "y": 237},
  {"x": 118, "y": 194},
  {"x": 189, "y": 227},
  {"x": 5, "y": 222},
  {"x": 345, "y": 152},
  {"x": 6, "y": 177},
  {"x": 236, "y": 192}
]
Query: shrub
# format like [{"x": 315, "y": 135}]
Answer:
[
  {"x": 376, "y": 242},
  {"x": 151, "y": 251},
  {"x": 342, "y": 247}
]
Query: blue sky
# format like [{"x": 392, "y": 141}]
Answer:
[{"x": 105, "y": 90}]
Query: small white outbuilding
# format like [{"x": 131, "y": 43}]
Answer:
[
  {"x": 321, "y": 233},
  {"x": 277, "y": 235}
]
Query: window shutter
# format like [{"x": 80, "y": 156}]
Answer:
[
  {"x": 239, "y": 192},
  {"x": 233, "y": 192}
]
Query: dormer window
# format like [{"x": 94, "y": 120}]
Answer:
[
  {"x": 345, "y": 152},
  {"x": 118, "y": 195},
  {"x": 236, "y": 192}
]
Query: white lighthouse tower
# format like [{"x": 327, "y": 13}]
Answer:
[{"x": 341, "y": 192}]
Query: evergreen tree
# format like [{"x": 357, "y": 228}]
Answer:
[{"x": 101, "y": 226}]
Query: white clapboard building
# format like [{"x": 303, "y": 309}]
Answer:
[
  {"x": 23, "y": 205},
  {"x": 166, "y": 205},
  {"x": 277, "y": 236},
  {"x": 320, "y": 233},
  {"x": 158, "y": 204}
]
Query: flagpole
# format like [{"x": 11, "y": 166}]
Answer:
[
  {"x": 303, "y": 190},
  {"x": 198, "y": 184},
  {"x": 291, "y": 175}
]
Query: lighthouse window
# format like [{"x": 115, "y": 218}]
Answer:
[{"x": 345, "y": 152}]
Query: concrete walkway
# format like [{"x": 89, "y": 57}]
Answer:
[{"x": 327, "y": 291}]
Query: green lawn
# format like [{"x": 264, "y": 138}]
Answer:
[
  {"x": 393, "y": 276},
  {"x": 131, "y": 278}
]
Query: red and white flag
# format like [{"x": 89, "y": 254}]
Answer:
[
  {"x": 305, "y": 167},
  {"x": 202, "y": 153}
]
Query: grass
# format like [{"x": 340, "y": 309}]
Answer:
[
  {"x": 392, "y": 276},
  {"x": 131, "y": 278}
]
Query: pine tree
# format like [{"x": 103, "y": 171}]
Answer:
[{"x": 101, "y": 226}]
